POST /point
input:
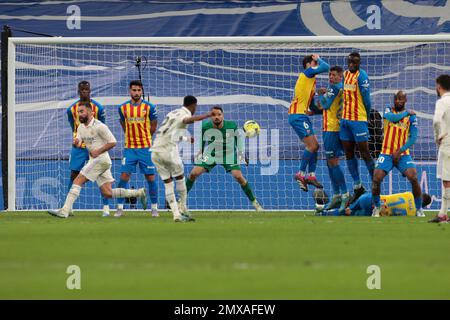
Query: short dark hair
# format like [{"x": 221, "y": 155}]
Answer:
[
  {"x": 86, "y": 103},
  {"x": 188, "y": 100},
  {"x": 444, "y": 81},
  {"x": 217, "y": 108},
  {"x": 306, "y": 60},
  {"x": 398, "y": 94},
  {"x": 426, "y": 200},
  {"x": 355, "y": 54},
  {"x": 136, "y": 83},
  {"x": 338, "y": 69},
  {"x": 83, "y": 83}
]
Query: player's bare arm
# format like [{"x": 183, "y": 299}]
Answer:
[{"x": 200, "y": 117}]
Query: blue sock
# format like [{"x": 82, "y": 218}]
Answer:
[
  {"x": 312, "y": 163},
  {"x": 334, "y": 183},
  {"x": 354, "y": 170},
  {"x": 376, "y": 200},
  {"x": 370, "y": 164},
  {"x": 418, "y": 203},
  {"x": 70, "y": 184},
  {"x": 105, "y": 201},
  {"x": 153, "y": 191},
  {"x": 122, "y": 184},
  {"x": 305, "y": 160},
  {"x": 338, "y": 176}
]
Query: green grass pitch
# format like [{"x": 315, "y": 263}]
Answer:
[{"x": 224, "y": 255}]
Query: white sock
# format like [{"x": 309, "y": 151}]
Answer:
[
  {"x": 170, "y": 198},
  {"x": 182, "y": 191},
  {"x": 120, "y": 206},
  {"x": 445, "y": 202},
  {"x": 72, "y": 196},
  {"x": 106, "y": 208},
  {"x": 154, "y": 206},
  {"x": 125, "y": 193}
]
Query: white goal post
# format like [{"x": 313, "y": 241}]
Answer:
[{"x": 240, "y": 68}]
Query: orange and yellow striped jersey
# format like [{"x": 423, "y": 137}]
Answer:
[
  {"x": 331, "y": 103},
  {"x": 136, "y": 120},
  {"x": 304, "y": 91},
  {"x": 72, "y": 115},
  {"x": 354, "y": 104},
  {"x": 396, "y": 133}
]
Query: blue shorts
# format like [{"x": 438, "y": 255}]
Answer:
[
  {"x": 332, "y": 144},
  {"x": 385, "y": 163},
  {"x": 356, "y": 131},
  {"x": 133, "y": 157},
  {"x": 78, "y": 157},
  {"x": 301, "y": 124}
]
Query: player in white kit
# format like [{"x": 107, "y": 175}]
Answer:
[
  {"x": 98, "y": 140},
  {"x": 166, "y": 158},
  {"x": 441, "y": 126}
]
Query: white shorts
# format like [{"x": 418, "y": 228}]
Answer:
[
  {"x": 443, "y": 165},
  {"x": 98, "y": 171},
  {"x": 168, "y": 163}
]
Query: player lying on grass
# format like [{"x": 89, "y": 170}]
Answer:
[
  {"x": 399, "y": 204},
  {"x": 302, "y": 104},
  {"x": 225, "y": 145},
  {"x": 79, "y": 155},
  {"x": 400, "y": 133},
  {"x": 98, "y": 140},
  {"x": 166, "y": 157},
  {"x": 330, "y": 101}
]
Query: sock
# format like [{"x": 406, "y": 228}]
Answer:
[
  {"x": 105, "y": 201},
  {"x": 248, "y": 192},
  {"x": 339, "y": 175},
  {"x": 189, "y": 184},
  {"x": 70, "y": 184},
  {"x": 125, "y": 193},
  {"x": 106, "y": 208},
  {"x": 370, "y": 164},
  {"x": 72, "y": 196},
  {"x": 334, "y": 184},
  {"x": 352, "y": 165},
  {"x": 123, "y": 185},
  {"x": 312, "y": 163},
  {"x": 182, "y": 190},
  {"x": 376, "y": 201},
  {"x": 306, "y": 158},
  {"x": 153, "y": 191},
  {"x": 445, "y": 201},
  {"x": 170, "y": 198},
  {"x": 418, "y": 202}
]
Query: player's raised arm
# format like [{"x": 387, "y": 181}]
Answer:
[
  {"x": 320, "y": 67},
  {"x": 200, "y": 117},
  {"x": 326, "y": 100},
  {"x": 394, "y": 117}
]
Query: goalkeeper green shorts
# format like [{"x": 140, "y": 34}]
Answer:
[{"x": 227, "y": 167}]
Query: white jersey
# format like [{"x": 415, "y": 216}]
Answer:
[
  {"x": 171, "y": 131},
  {"x": 441, "y": 121},
  {"x": 95, "y": 135}
]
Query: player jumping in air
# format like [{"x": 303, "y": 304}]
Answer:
[
  {"x": 330, "y": 100},
  {"x": 138, "y": 119},
  {"x": 441, "y": 125},
  {"x": 166, "y": 157},
  {"x": 79, "y": 155},
  {"x": 398, "y": 204},
  {"x": 400, "y": 133},
  {"x": 354, "y": 126},
  {"x": 98, "y": 140},
  {"x": 225, "y": 147},
  {"x": 302, "y": 103}
]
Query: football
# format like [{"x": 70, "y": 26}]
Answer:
[{"x": 251, "y": 128}]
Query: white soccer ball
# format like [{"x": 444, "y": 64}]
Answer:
[{"x": 251, "y": 128}]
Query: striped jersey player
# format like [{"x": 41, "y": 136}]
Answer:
[
  {"x": 330, "y": 100},
  {"x": 300, "y": 108},
  {"x": 354, "y": 126},
  {"x": 138, "y": 119},
  {"x": 80, "y": 155},
  {"x": 400, "y": 133}
]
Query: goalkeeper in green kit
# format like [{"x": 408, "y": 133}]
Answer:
[{"x": 225, "y": 145}]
